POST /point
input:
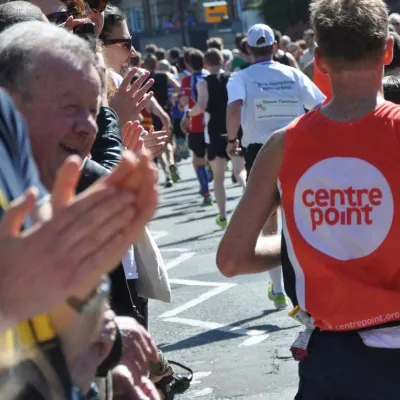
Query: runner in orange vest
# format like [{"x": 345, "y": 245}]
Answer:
[{"x": 335, "y": 174}]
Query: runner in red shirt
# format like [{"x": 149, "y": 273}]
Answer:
[
  {"x": 195, "y": 126},
  {"x": 335, "y": 173}
]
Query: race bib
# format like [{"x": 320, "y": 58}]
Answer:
[{"x": 276, "y": 109}]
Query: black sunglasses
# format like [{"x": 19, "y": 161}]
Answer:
[
  {"x": 127, "y": 43},
  {"x": 97, "y": 6},
  {"x": 58, "y": 18}
]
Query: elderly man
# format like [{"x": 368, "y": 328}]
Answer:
[{"x": 61, "y": 113}]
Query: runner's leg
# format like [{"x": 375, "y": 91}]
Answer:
[
  {"x": 218, "y": 167},
  {"x": 239, "y": 170}
]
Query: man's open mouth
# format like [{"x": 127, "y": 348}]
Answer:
[{"x": 69, "y": 149}]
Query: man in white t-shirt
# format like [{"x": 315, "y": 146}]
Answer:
[{"x": 263, "y": 98}]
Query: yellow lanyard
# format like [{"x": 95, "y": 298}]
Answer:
[{"x": 26, "y": 335}]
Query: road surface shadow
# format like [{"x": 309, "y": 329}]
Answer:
[
  {"x": 213, "y": 336},
  {"x": 205, "y": 236}
]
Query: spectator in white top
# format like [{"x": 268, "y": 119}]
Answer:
[
  {"x": 263, "y": 98},
  {"x": 308, "y": 55},
  {"x": 394, "y": 20},
  {"x": 285, "y": 42}
]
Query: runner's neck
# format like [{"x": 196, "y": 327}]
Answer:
[
  {"x": 258, "y": 60},
  {"x": 215, "y": 70},
  {"x": 355, "y": 94}
]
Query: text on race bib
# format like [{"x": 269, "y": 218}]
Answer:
[
  {"x": 341, "y": 206},
  {"x": 276, "y": 108}
]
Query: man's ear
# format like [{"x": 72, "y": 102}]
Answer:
[
  {"x": 389, "y": 51},
  {"x": 17, "y": 98},
  {"x": 319, "y": 61}
]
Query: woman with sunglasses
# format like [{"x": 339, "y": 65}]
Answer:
[{"x": 117, "y": 42}]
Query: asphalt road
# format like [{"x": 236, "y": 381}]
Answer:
[{"x": 226, "y": 330}]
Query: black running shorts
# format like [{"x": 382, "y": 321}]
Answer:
[
  {"x": 217, "y": 147},
  {"x": 197, "y": 144}
]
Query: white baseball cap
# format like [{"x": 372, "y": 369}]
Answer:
[{"x": 260, "y": 35}]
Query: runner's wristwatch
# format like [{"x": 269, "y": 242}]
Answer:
[{"x": 232, "y": 141}]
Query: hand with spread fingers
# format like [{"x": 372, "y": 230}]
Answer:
[
  {"x": 130, "y": 100},
  {"x": 131, "y": 135},
  {"x": 155, "y": 142}
]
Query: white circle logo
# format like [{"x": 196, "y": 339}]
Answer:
[{"x": 343, "y": 207}]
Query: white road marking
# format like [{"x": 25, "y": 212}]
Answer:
[
  {"x": 199, "y": 375},
  {"x": 179, "y": 260},
  {"x": 200, "y": 299},
  {"x": 175, "y": 250},
  {"x": 251, "y": 341},
  {"x": 159, "y": 234},
  {"x": 189, "y": 282},
  {"x": 200, "y": 393},
  {"x": 253, "y": 336},
  {"x": 236, "y": 330}
]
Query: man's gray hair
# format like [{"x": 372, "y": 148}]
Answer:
[{"x": 24, "y": 46}]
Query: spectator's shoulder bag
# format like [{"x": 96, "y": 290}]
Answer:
[{"x": 153, "y": 280}]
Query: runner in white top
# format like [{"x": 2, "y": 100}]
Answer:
[{"x": 263, "y": 98}]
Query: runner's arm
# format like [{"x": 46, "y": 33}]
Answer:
[
  {"x": 174, "y": 83},
  {"x": 157, "y": 110},
  {"x": 236, "y": 97},
  {"x": 241, "y": 251},
  {"x": 233, "y": 116},
  {"x": 202, "y": 99}
]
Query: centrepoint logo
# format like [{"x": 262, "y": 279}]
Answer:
[{"x": 343, "y": 207}]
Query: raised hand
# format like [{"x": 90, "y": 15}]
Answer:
[
  {"x": 130, "y": 100},
  {"x": 131, "y": 136},
  {"x": 155, "y": 142}
]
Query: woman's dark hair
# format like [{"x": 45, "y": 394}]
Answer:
[
  {"x": 243, "y": 46},
  {"x": 113, "y": 17},
  {"x": 391, "y": 89},
  {"x": 396, "y": 53},
  {"x": 278, "y": 35},
  {"x": 238, "y": 39}
]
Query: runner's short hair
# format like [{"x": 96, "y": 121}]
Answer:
[
  {"x": 175, "y": 53},
  {"x": 196, "y": 60},
  {"x": 160, "y": 54},
  {"x": 186, "y": 52},
  {"x": 350, "y": 31},
  {"x": 150, "y": 62},
  {"x": 151, "y": 48},
  {"x": 391, "y": 89},
  {"x": 215, "y": 43},
  {"x": 213, "y": 57}
]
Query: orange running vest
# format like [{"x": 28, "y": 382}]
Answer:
[
  {"x": 147, "y": 121},
  {"x": 322, "y": 82},
  {"x": 340, "y": 196}
]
